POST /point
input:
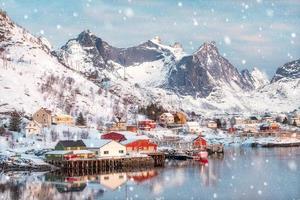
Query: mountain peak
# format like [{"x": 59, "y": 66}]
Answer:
[
  {"x": 207, "y": 47},
  {"x": 156, "y": 40},
  {"x": 289, "y": 70}
]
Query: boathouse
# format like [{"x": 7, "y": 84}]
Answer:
[
  {"x": 105, "y": 148},
  {"x": 139, "y": 145},
  {"x": 199, "y": 143},
  {"x": 57, "y": 155},
  {"x": 70, "y": 145}
]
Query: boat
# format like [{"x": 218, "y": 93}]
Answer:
[
  {"x": 201, "y": 155},
  {"x": 178, "y": 156}
]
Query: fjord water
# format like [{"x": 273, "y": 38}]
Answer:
[{"x": 242, "y": 173}]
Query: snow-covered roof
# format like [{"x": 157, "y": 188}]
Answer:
[
  {"x": 82, "y": 152},
  {"x": 132, "y": 135},
  {"x": 58, "y": 152},
  {"x": 95, "y": 143},
  {"x": 167, "y": 114},
  {"x": 192, "y": 124},
  {"x": 129, "y": 141}
]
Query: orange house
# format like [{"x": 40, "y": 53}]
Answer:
[{"x": 140, "y": 145}]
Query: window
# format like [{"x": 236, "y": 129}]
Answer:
[
  {"x": 106, "y": 152},
  {"x": 121, "y": 151},
  {"x": 106, "y": 177}
]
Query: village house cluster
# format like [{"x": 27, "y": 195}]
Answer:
[{"x": 45, "y": 118}]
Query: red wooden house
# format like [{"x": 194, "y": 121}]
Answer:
[
  {"x": 146, "y": 125},
  {"x": 139, "y": 145},
  {"x": 118, "y": 137},
  {"x": 199, "y": 143}
]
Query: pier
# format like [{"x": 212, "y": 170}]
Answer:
[{"x": 111, "y": 164}]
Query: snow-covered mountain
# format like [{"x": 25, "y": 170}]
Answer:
[
  {"x": 200, "y": 73},
  {"x": 30, "y": 77},
  {"x": 96, "y": 59},
  {"x": 256, "y": 77},
  {"x": 88, "y": 74},
  {"x": 290, "y": 70}
]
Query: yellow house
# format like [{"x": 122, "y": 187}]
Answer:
[
  {"x": 43, "y": 117},
  {"x": 63, "y": 119},
  {"x": 32, "y": 128},
  {"x": 180, "y": 118}
]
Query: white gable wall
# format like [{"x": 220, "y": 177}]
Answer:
[{"x": 112, "y": 149}]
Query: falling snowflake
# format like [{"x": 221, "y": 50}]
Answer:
[
  {"x": 129, "y": 12},
  {"x": 244, "y": 62},
  {"x": 258, "y": 1},
  {"x": 215, "y": 195},
  {"x": 293, "y": 35},
  {"x": 25, "y": 16},
  {"x": 35, "y": 10},
  {"x": 58, "y": 26},
  {"x": 227, "y": 40},
  {"x": 265, "y": 183},
  {"x": 42, "y": 32},
  {"x": 75, "y": 14},
  {"x": 179, "y": 4},
  {"x": 251, "y": 187},
  {"x": 195, "y": 22},
  {"x": 259, "y": 192}
]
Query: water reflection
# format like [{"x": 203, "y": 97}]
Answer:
[{"x": 240, "y": 174}]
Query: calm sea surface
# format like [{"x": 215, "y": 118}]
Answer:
[{"x": 243, "y": 173}]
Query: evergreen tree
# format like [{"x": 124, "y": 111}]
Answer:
[
  {"x": 285, "y": 121},
  {"x": 15, "y": 122},
  {"x": 294, "y": 123},
  {"x": 219, "y": 124},
  {"x": 80, "y": 120}
]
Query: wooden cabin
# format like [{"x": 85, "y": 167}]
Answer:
[
  {"x": 166, "y": 119},
  {"x": 132, "y": 128},
  {"x": 146, "y": 125},
  {"x": 70, "y": 145},
  {"x": 106, "y": 148},
  {"x": 180, "y": 118},
  {"x": 199, "y": 143},
  {"x": 140, "y": 145},
  {"x": 33, "y": 128},
  {"x": 192, "y": 127},
  {"x": 63, "y": 119},
  {"x": 43, "y": 117}
]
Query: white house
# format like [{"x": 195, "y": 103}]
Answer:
[
  {"x": 32, "y": 128},
  {"x": 192, "y": 127},
  {"x": 166, "y": 118},
  {"x": 212, "y": 124},
  {"x": 105, "y": 148}
]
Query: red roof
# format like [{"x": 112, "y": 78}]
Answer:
[{"x": 113, "y": 136}]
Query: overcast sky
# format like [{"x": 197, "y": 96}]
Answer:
[{"x": 257, "y": 33}]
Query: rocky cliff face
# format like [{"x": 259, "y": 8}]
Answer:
[
  {"x": 199, "y": 73},
  {"x": 290, "y": 70}
]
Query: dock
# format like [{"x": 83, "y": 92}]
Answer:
[{"x": 111, "y": 164}]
